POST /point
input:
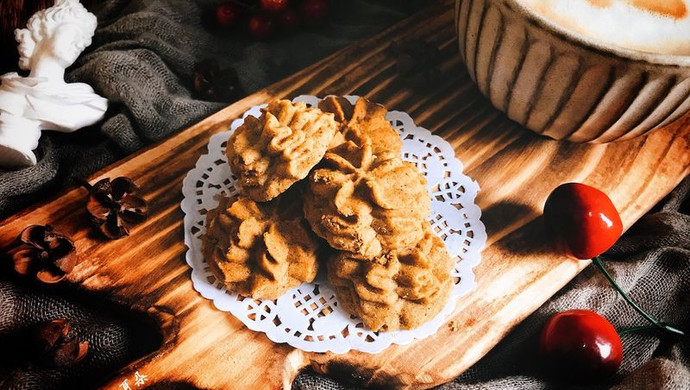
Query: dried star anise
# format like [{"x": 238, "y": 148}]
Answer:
[
  {"x": 56, "y": 346},
  {"x": 215, "y": 84},
  {"x": 114, "y": 206},
  {"x": 45, "y": 253}
]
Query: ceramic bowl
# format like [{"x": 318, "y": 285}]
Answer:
[{"x": 563, "y": 85}]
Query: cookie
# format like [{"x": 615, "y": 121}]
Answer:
[
  {"x": 270, "y": 153},
  {"x": 260, "y": 249},
  {"x": 394, "y": 291},
  {"x": 364, "y": 120},
  {"x": 366, "y": 204}
]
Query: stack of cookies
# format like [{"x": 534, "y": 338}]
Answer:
[{"x": 335, "y": 173}]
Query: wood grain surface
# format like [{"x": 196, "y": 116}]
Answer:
[{"x": 515, "y": 168}]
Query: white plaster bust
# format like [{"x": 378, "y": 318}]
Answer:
[{"x": 51, "y": 42}]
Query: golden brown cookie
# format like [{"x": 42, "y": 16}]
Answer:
[
  {"x": 271, "y": 153},
  {"x": 394, "y": 291},
  {"x": 364, "y": 203},
  {"x": 364, "y": 120},
  {"x": 260, "y": 249}
]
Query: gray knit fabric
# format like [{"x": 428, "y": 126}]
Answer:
[{"x": 142, "y": 60}]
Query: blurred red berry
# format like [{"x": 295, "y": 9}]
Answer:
[
  {"x": 289, "y": 20},
  {"x": 228, "y": 14},
  {"x": 261, "y": 26},
  {"x": 274, "y": 6},
  {"x": 314, "y": 11}
]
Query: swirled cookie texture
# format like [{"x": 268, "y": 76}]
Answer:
[
  {"x": 260, "y": 249},
  {"x": 361, "y": 197},
  {"x": 367, "y": 204},
  {"x": 394, "y": 291},
  {"x": 271, "y": 153},
  {"x": 364, "y": 120}
]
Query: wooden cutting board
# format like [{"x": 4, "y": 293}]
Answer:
[{"x": 516, "y": 170}]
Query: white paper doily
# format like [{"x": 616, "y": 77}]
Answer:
[{"x": 308, "y": 317}]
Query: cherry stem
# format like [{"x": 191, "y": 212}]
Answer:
[
  {"x": 84, "y": 183},
  {"x": 656, "y": 323}
]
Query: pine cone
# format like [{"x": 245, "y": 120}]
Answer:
[
  {"x": 114, "y": 206},
  {"x": 44, "y": 253},
  {"x": 55, "y": 345}
]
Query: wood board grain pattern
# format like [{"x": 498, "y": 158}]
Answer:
[{"x": 516, "y": 170}]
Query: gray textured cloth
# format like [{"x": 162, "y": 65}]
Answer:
[
  {"x": 115, "y": 336},
  {"x": 652, "y": 262},
  {"x": 142, "y": 60}
]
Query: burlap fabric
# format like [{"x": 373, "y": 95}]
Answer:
[
  {"x": 142, "y": 60},
  {"x": 115, "y": 336}
]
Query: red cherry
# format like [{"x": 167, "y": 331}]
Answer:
[
  {"x": 314, "y": 11},
  {"x": 583, "y": 220},
  {"x": 228, "y": 14},
  {"x": 274, "y": 5},
  {"x": 289, "y": 20},
  {"x": 261, "y": 26},
  {"x": 585, "y": 223},
  {"x": 581, "y": 346}
]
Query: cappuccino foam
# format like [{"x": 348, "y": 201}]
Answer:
[{"x": 654, "y": 26}]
